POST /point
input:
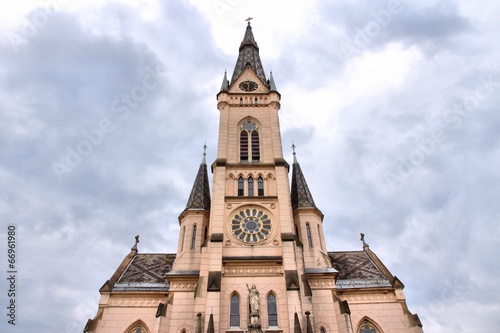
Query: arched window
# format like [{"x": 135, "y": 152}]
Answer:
[
  {"x": 241, "y": 100},
  {"x": 309, "y": 238},
  {"x": 193, "y": 237},
  {"x": 319, "y": 236},
  {"x": 250, "y": 187},
  {"x": 249, "y": 151},
  {"x": 244, "y": 146},
  {"x": 183, "y": 233},
  {"x": 322, "y": 330},
  {"x": 255, "y": 147},
  {"x": 234, "y": 312},
  {"x": 367, "y": 327},
  {"x": 240, "y": 186},
  {"x": 256, "y": 101},
  {"x": 137, "y": 328},
  {"x": 260, "y": 187},
  {"x": 272, "y": 310}
]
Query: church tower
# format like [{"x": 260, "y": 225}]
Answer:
[{"x": 251, "y": 254}]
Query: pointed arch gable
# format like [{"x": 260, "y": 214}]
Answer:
[
  {"x": 367, "y": 322},
  {"x": 138, "y": 324}
]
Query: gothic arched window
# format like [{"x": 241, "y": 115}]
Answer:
[
  {"x": 137, "y": 328},
  {"x": 367, "y": 327},
  {"x": 240, "y": 187},
  {"x": 183, "y": 233},
  {"x": 234, "y": 312},
  {"x": 193, "y": 237},
  {"x": 249, "y": 151},
  {"x": 272, "y": 310},
  {"x": 250, "y": 187},
  {"x": 319, "y": 235},
  {"x": 309, "y": 238},
  {"x": 322, "y": 330},
  {"x": 260, "y": 187}
]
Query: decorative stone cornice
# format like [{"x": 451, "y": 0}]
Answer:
[{"x": 136, "y": 301}]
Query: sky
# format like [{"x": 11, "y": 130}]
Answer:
[{"x": 393, "y": 106}]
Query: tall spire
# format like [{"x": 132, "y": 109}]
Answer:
[
  {"x": 301, "y": 196},
  {"x": 248, "y": 56},
  {"x": 200, "y": 193},
  {"x": 225, "y": 83}
]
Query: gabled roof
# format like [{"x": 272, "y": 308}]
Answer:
[
  {"x": 357, "y": 270},
  {"x": 146, "y": 272},
  {"x": 248, "y": 55}
]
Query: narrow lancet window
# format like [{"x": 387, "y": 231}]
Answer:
[
  {"x": 260, "y": 186},
  {"x": 250, "y": 187},
  {"x": 193, "y": 237},
  {"x": 240, "y": 186},
  {"x": 234, "y": 316},
  {"x": 272, "y": 310},
  {"x": 309, "y": 238}
]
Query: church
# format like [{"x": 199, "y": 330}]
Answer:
[{"x": 251, "y": 254}]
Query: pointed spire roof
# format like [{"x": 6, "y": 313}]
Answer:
[
  {"x": 200, "y": 193},
  {"x": 296, "y": 324},
  {"x": 225, "y": 83},
  {"x": 301, "y": 196},
  {"x": 272, "y": 85},
  {"x": 248, "y": 56},
  {"x": 210, "y": 328}
]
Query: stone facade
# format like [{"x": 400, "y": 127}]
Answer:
[{"x": 255, "y": 233}]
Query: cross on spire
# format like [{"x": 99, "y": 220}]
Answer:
[
  {"x": 294, "y": 154},
  {"x": 204, "y": 153}
]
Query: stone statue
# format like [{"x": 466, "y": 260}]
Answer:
[{"x": 254, "y": 297}]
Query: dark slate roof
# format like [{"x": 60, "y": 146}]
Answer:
[
  {"x": 200, "y": 194},
  {"x": 301, "y": 196},
  {"x": 357, "y": 270},
  {"x": 146, "y": 272},
  {"x": 249, "y": 54}
]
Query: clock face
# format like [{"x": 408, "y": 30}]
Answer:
[
  {"x": 248, "y": 85},
  {"x": 251, "y": 225}
]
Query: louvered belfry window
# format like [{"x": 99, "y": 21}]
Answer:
[
  {"x": 244, "y": 146},
  {"x": 249, "y": 142},
  {"x": 255, "y": 146}
]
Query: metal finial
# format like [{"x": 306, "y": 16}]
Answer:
[
  {"x": 204, "y": 153},
  {"x": 294, "y": 154},
  {"x": 249, "y": 19}
]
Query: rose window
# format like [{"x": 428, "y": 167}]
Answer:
[{"x": 251, "y": 225}]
